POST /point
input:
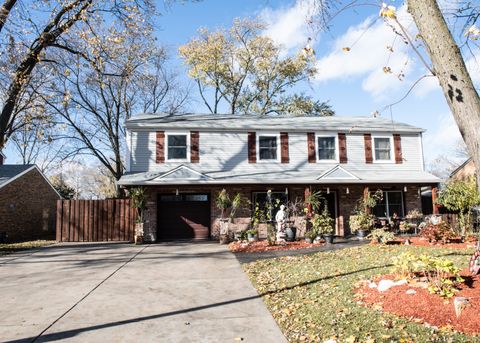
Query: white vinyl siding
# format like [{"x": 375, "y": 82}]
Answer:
[{"x": 226, "y": 152}]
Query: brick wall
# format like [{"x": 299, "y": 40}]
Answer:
[
  {"x": 27, "y": 208},
  {"x": 345, "y": 204}
]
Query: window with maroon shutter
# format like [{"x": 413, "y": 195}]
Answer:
[
  {"x": 194, "y": 147},
  {"x": 252, "y": 151},
  {"x": 160, "y": 147},
  {"x": 311, "y": 147},
  {"x": 397, "y": 146},
  {"x": 285, "y": 158},
  {"x": 368, "y": 148},
  {"x": 342, "y": 146}
]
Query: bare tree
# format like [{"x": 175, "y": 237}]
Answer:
[{"x": 32, "y": 38}]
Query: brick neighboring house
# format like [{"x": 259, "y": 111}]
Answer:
[
  {"x": 183, "y": 161},
  {"x": 27, "y": 203},
  {"x": 463, "y": 171}
]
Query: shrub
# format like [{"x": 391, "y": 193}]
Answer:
[
  {"x": 361, "y": 221},
  {"x": 322, "y": 224},
  {"x": 442, "y": 275},
  {"x": 381, "y": 236},
  {"x": 438, "y": 233}
]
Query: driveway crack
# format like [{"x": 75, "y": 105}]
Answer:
[{"x": 89, "y": 292}]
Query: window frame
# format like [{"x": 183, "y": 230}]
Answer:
[
  {"x": 374, "y": 155},
  {"x": 317, "y": 146},
  {"x": 274, "y": 211},
  {"x": 387, "y": 209},
  {"x": 268, "y": 134},
  {"x": 177, "y": 133}
]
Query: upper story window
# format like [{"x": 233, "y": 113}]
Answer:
[
  {"x": 177, "y": 146},
  {"x": 383, "y": 149},
  {"x": 327, "y": 148},
  {"x": 268, "y": 147}
]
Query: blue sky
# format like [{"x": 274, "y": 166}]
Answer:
[{"x": 353, "y": 82}]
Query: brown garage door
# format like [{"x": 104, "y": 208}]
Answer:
[{"x": 185, "y": 216}]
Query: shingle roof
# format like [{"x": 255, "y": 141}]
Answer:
[
  {"x": 254, "y": 122},
  {"x": 10, "y": 171}
]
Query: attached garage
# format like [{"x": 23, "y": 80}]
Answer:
[{"x": 183, "y": 216}]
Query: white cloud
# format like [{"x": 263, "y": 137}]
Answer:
[
  {"x": 441, "y": 139},
  {"x": 368, "y": 55},
  {"x": 473, "y": 66},
  {"x": 426, "y": 86},
  {"x": 288, "y": 26}
]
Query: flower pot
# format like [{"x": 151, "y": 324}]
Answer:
[
  {"x": 252, "y": 238},
  {"x": 224, "y": 239},
  {"x": 328, "y": 238},
  {"x": 308, "y": 240},
  {"x": 138, "y": 239},
  {"x": 290, "y": 232},
  {"x": 362, "y": 234}
]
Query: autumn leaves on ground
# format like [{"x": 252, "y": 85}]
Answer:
[{"x": 313, "y": 297}]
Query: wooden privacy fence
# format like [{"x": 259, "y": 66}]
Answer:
[{"x": 95, "y": 220}]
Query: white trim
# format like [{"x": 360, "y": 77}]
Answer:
[
  {"x": 128, "y": 149},
  {"x": 177, "y": 133},
  {"x": 337, "y": 167},
  {"x": 268, "y": 134},
  {"x": 326, "y": 135},
  {"x": 420, "y": 138},
  {"x": 392, "y": 157},
  {"x": 184, "y": 167},
  {"x": 27, "y": 171}
]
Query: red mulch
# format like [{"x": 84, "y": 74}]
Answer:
[
  {"x": 419, "y": 241},
  {"x": 424, "y": 307},
  {"x": 262, "y": 246}
]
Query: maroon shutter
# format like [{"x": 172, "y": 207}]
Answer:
[
  {"x": 284, "y": 147},
  {"x": 397, "y": 145},
  {"x": 311, "y": 147},
  {"x": 160, "y": 147},
  {"x": 194, "y": 147},
  {"x": 342, "y": 146},
  {"x": 252, "y": 150},
  {"x": 368, "y": 148}
]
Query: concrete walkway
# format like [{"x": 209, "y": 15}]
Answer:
[{"x": 170, "y": 292}]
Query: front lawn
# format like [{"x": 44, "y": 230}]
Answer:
[
  {"x": 6, "y": 249},
  {"x": 312, "y": 296}
]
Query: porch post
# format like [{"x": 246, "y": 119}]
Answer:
[
  {"x": 434, "y": 200},
  {"x": 365, "y": 197}
]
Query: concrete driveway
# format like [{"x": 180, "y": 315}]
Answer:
[{"x": 169, "y": 292}]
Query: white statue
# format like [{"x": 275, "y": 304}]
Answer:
[{"x": 280, "y": 219}]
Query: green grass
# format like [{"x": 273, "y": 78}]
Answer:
[
  {"x": 6, "y": 249},
  {"x": 312, "y": 299}
]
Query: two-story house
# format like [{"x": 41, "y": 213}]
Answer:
[{"x": 185, "y": 160}]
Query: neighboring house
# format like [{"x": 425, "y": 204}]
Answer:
[
  {"x": 185, "y": 160},
  {"x": 27, "y": 204},
  {"x": 463, "y": 171}
]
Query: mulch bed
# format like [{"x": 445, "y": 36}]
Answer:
[
  {"x": 420, "y": 241},
  {"x": 427, "y": 308},
  {"x": 262, "y": 246}
]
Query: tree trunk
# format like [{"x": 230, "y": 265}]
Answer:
[{"x": 450, "y": 69}]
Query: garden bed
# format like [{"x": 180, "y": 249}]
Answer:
[
  {"x": 423, "y": 242},
  {"x": 426, "y": 308},
  {"x": 262, "y": 246},
  {"x": 312, "y": 297},
  {"x": 9, "y": 248}
]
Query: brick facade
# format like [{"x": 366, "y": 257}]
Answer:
[
  {"x": 28, "y": 208},
  {"x": 345, "y": 203}
]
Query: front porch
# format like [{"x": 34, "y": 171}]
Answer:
[{"x": 189, "y": 211}]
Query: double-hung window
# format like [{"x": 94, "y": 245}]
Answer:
[
  {"x": 268, "y": 147},
  {"x": 177, "y": 146},
  {"x": 382, "y": 149},
  {"x": 391, "y": 203},
  {"x": 326, "y": 148}
]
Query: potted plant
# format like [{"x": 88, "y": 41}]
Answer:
[
  {"x": 362, "y": 220},
  {"x": 310, "y": 235},
  {"x": 252, "y": 235},
  {"x": 137, "y": 196},
  {"x": 294, "y": 211},
  {"x": 381, "y": 236},
  {"x": 324, "y": 225},
  {"x": 227, "y": 209}
]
